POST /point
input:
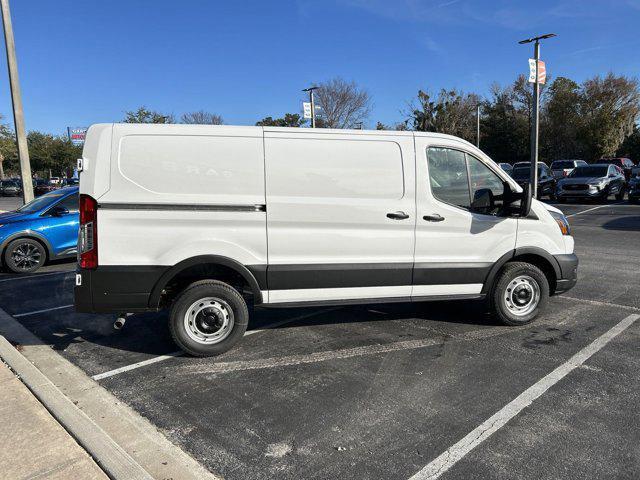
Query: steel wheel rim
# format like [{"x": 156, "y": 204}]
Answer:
[
  {"x": 26, "y": 256},
  {"x": 209, "y": 320},
  {"x": 522, "y": 295}
]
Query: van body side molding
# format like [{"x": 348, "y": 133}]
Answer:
[{"x": 183, "y": 207}]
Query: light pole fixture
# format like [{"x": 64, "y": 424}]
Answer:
[
  {"x": 313, "y": 107},
  {"x": 536, "y": 110}
]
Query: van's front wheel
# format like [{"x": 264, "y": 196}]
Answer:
[
  {"x": 208, "y": 318},
  {"x": 520, "y": 292}
]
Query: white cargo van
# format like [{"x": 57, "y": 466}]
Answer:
[{"x": 202, "y": 220}]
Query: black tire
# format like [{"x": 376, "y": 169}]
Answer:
[
  {"x": 24, "y": 255},
  {"x": 620, "y": 194},
  {"x": 226, "y": 298},
  {"x": 510, "y": 272},
  {"x": 562, "y": 200}
]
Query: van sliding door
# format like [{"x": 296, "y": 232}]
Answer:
[{"x": 340, "y": 215}]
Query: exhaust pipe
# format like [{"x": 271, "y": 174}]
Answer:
[{"x": 121, "y": 320}]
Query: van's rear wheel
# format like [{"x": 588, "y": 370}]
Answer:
[
  {"x": 208, "y": 318},
  {"x": 521, "y": 291}
]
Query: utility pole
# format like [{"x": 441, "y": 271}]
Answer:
[
  {"x": 535, "y": 113},
  {"x": 313, "y": 105},
  {"x": 16, "y": 98},
  {"x": 478, "y": 126}
]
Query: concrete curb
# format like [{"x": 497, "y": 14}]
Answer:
[
  {"x": 115, "y": 462},
  {"x": 134, "y": 434}
]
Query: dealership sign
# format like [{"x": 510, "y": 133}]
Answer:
[{"x": 77, "y": 134}]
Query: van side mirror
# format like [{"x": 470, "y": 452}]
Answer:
[
  {"x": 483, "y": 201},
  {"x": 517, "y": 203},
  {"x": 525, "y": 200}
]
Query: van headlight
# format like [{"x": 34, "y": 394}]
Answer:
[{"x": 562, "y": 222}]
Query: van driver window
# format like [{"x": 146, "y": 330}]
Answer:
[
  {"x": 456, "y": 177},
  {"x": 448, "y": 176},
  {"x": 483, "y": 177}
]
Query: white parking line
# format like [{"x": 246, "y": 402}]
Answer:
[
  {"x": 601, "y": 304},
  {"x": 592, "y": 209},
  {"x": 479, "y": 434},
  {"x": 18, "y": 315},
  {"x": 161, "y": 358},
  {"x": 133, "y": 366},
  {"x": 39, "y": 275}
]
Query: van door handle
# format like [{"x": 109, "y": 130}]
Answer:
[
  {"x": 397, "y": 215},
  {"x": 433, "y": 218}
]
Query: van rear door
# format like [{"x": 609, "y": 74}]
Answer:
[
  {"x": 340, "y": 215},
  {"x": 455, "y": 244}
]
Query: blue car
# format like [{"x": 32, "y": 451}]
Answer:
[{"x": 42, "y": 230}]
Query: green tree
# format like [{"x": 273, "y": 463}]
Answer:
[
  {"x": 609, "y": 109},
  {"x": 452, "y": 112},
  {"x": 561, "y": 121},
  {"x": 630, "y": 148},
  {"x": 504, "y": 126},
  {"x": 400, "y": 126},
  {"x": 8, "y": 149},
  {"x": 289, "y": 120},
  {"x": 144, "y": 115},
  {"x": 49, "y": 153}
]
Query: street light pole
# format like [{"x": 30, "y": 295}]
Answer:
[
  {"x": 478, "y": 126},
  {"x": 16, "y": 98},
  {"x": 535, "y": 115},
  {"x": 313, "y": 105}
]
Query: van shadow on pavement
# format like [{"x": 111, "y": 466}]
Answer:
[{"x": 148, "y": 333}]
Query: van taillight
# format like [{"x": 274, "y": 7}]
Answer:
[{"x": 88, "y": 239}]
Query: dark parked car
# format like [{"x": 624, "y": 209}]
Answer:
[
  {"x": 634, "y": 186},
  {"x": 40, "y": 187},
  {"x": 70, "y": 182},
  {"x": 506, "y": 167},
  {"x": 546, "y": 182},
  {"x": 624, "y": 163},
  {"x": 10, "y": 188},
  {"x": 562, "y": 168},
  {"x": 597, "y": 181}
]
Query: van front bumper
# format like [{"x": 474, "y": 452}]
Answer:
[{"x": 568, "y": 264}]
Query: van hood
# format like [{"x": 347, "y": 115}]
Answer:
[{"x": 551, "y": 208}]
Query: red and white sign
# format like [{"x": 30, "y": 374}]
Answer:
[{"x": 542, "y": 71}]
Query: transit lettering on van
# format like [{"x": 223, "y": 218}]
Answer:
[{"x": 300, "y": 217}]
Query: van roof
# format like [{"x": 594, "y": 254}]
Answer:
[{"x": 328, "y": 131}]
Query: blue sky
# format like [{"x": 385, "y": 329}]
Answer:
[{"x": 83, "y": 62}]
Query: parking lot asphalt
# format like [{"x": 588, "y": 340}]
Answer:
[
  {"x": 380, "y": 391},
  {"x": 9, "y": 203}
]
